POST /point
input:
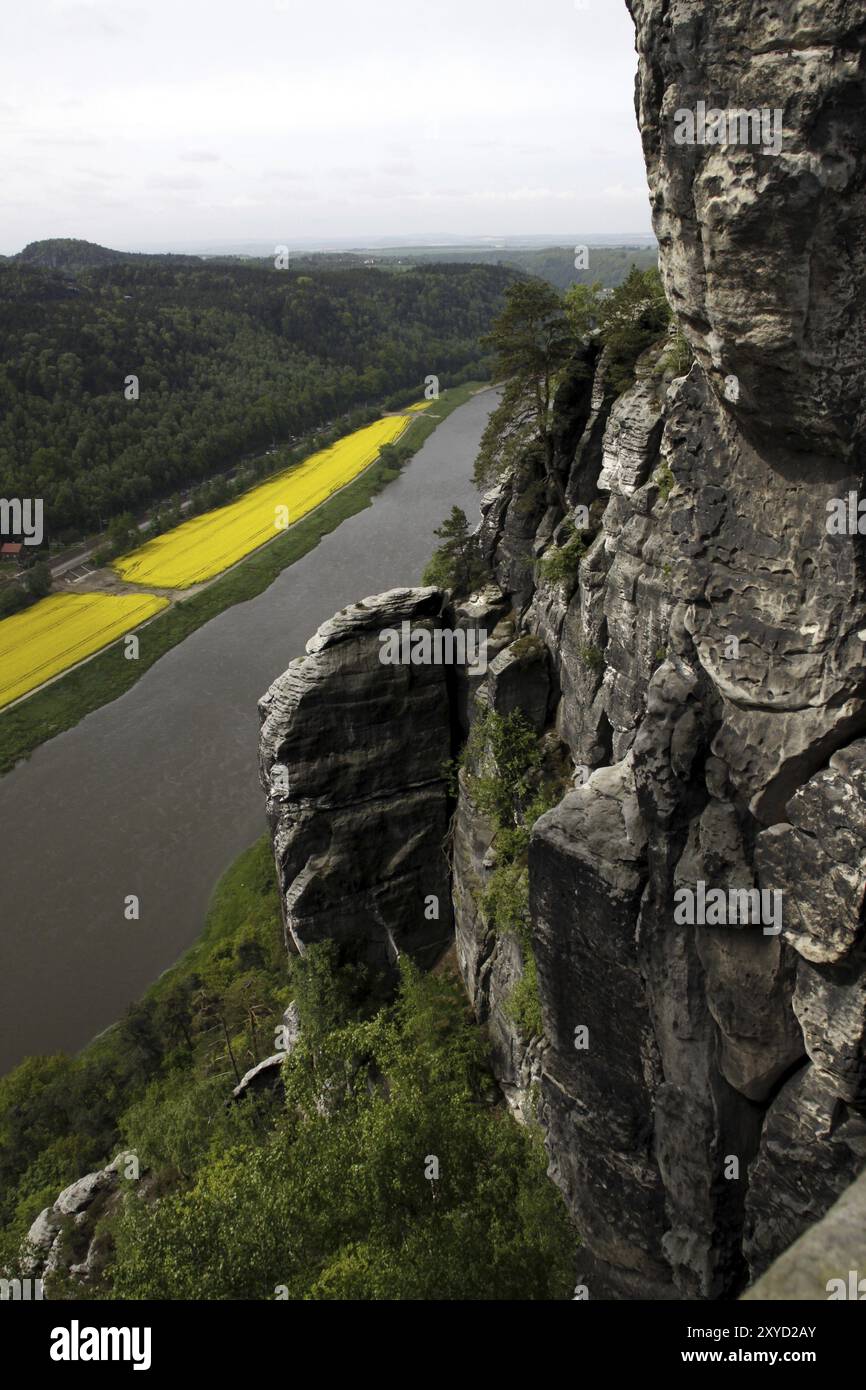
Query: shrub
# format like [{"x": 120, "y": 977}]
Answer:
[
  {"x": 679, "y": 356},
  {"x": 631, "y": 319},
  {"x": 505, "y": 899},
  {"x": 524, "y": 1002},
  {"x": 12, "y": 599},
  {"x": 561, "y": 564},
  {"x": 664, "y": 481}
]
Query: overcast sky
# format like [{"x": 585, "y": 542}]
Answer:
[{"x": 180, "y": 122}]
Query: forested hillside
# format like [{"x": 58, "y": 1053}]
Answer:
[
  {"x": 229, "y": 359},
  {"x": 71, "y": 254}
]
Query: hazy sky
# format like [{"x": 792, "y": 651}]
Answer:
[{"x": 179, "y": 121}]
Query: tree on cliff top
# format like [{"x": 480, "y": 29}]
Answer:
[
  {"x": 533, "y": 340},
  {"x": 634, "y": 317},
  {"x": 456, "y": 562}
]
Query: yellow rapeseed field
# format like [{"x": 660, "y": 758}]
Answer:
[
  {"x": 56, "y": 633},
  {"x": 208, "y": 544}
]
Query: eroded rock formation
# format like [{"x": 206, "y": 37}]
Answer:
[{"x": 705, "y": 668}]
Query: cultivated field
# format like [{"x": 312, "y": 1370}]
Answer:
[
  {"x": 205, "y": 546},
  {"x": 62, "y": 630}
]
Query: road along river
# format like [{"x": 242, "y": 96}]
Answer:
[{"x": 156, "y": 794}]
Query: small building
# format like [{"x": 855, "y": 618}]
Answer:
[{"x": 11, "y": 550}]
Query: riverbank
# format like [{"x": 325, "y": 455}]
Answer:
[{"x": 99, "y": 680}]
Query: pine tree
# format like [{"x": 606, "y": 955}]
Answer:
[{"x": 533, "y": 341}]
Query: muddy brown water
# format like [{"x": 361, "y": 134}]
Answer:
[{"x": 157, "y": 793}]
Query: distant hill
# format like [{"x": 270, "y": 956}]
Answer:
[
  {"x": 609, "y": 265},
  {"x": 70, "y": 254}
]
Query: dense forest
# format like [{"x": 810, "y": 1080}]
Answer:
[
  {"x": 607, "y": 266},
  {"x": 324, "y": 1201},
  {"x": 229, "y": 359}
]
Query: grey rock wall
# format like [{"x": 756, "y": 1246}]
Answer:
[
  {"x": 705, "y": 672},
  {"x": 352, "y": 758}
]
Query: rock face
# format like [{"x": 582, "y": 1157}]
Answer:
[
  {"x": 828, "y": 1261},
  {"x": 62, "y": 1240},
  {"x": 762, "y": 252},
  {"x": 352, "y": 759},
  {"x": 701, "y": 1078}
]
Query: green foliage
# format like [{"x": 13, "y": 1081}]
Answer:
[
  {"x": 393, "y": 456},
  {"x": 334, "y": 1203},
  {"x": 664, "y": 481},
  {"x": 121, "y": 535},
  {"x": 503, "y": 758},
  {"x": 537, "y": 338},
  {"x": 608, "y": 265},
  {"x": 583, "y": 306},
  {"x": 533, "y": 341},
  {"x": 456, "y": 564},
  {"x": 231, "y": 359},
  {"x": 634, "y": 317},
  {"x": 182, "y": 1117},
  {"x": 504, "y": 767},
  {"x": 524, "y": 1002},
  {"x": 37, "y": 580},
  {"x": 679, "y": 357},
  {"x": 505, "y": 899},
  {"x": 325, "y": 1197},
  {"x": 592, "y": 658},
  {"x": 72, "y": 255},
  {"x": 330, "y": 989},
  {"x": 561, "y": 563},
  {"x": 13, "y": 597},
  {"x": 61, "y": 1117}
]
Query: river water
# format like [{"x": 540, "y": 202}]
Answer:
[{"x": 156, "y": 794}]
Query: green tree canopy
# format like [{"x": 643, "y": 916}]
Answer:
[
  {"x": 456, "y": 563},
  {"x": 532, "y": 340}
]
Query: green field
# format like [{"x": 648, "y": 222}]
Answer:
[{"x": 61, "y": 705}]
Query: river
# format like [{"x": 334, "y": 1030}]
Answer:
[{"x": 157, "y": 793}]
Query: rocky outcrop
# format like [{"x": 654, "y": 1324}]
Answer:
[
  {"x": 353, "y": 752},
  {"x": 709, "y": 653},
  {"x": 700, "y": 1074},
  {"x": 828, "y": 1262},
  {"x": 587, "y": 875},
  {"x": 763, "y": 244},
  {"x": 63, "y": 1240}
]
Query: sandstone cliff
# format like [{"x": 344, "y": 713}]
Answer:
[{"x": 706, "y": 670}]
